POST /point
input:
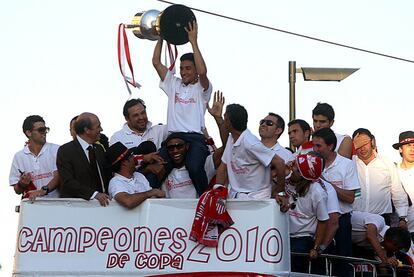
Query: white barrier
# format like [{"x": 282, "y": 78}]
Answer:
[{"x": 67, "y": 237}]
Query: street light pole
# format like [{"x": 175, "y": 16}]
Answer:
[
  {"x": 292, "y": 99},
  {"x": 312, "y": 74}
]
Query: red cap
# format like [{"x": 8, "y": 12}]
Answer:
[{"x": 310, "y": 167}]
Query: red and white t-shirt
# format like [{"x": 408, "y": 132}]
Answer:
[
  {"x": 138, "y": 183},
  {"x": 247, "y": 161},
  {"x": 343, "y": 174},
  {"x": 178, "y": 184},
  {"x": 308, "y": 210},
  {"x": 155, "y": 133},
  {"x": 41, "y": 166},
  {"x": 186, "y": 104}
]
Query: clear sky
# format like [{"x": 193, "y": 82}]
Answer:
[{"x": 59, "y": 58}]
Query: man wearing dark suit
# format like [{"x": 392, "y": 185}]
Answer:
[{"x": 81, "y": 165}]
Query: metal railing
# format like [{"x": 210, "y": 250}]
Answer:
[{"x": 353, "y": 262}]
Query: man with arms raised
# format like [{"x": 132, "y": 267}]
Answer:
[
  {"x": 81, "y": 165},
  {"x": 187, "y": 102},
  {"x": 36, "y": 163}
]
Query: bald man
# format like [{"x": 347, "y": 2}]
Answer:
[{"x": 82, "y": 165}]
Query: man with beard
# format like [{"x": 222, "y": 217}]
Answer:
[{"x": 137, "y": 127}]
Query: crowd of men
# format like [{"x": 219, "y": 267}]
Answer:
[{"x": 338, "y": 191}]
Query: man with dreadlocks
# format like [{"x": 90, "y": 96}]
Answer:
[{"x": 308, "y": 211}]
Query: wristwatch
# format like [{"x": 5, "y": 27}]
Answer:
[
  {"x": 46, "y": 189},
  {"x": 319, "y": 248}
]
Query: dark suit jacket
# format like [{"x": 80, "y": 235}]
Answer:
[{"x": 76, "y": 176}]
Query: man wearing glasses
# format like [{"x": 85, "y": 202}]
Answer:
[
  {"x": 33, "y": 172},
  {"x": 270, "y": 129},
  {"x": 246, "y": 162},
  {"x": 178, "y": 183}
]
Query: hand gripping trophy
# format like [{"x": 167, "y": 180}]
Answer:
[{"x": 152, "y": 24}]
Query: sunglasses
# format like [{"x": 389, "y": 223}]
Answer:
[
  {"x": 179, "y": 146},
  {"x": 42, "y": 130},
  {"x": 268, "y": 122}
]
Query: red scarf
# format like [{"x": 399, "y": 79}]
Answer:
[
  {"x": 211, "y": 217},
  {"x": 30, "y": 187}
]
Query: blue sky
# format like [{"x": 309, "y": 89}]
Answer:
[{"x": 58, "y": 59}]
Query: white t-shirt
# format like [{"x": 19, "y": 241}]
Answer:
[
  {"x": 332, "y": 202},
  {"x": 343, "y": 174},
  {"x": 407, "y": 179},
  {"x": 138, "y": 183},
  {"x": 380, "y": 183},
  {"x": 283, "y": 153},
  {"x": 309, "y": 209},
  {"x": 186, "y": 104},
  {"x": 247, "y": 162},
  {"x": 359, "y": 222},
  {"x": 41, "y": 166},
  {"x": 155, "y": 133},
  {"x": 178, "y": 184}
]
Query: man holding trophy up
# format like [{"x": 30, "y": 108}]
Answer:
[{"x": 187, "y": 101}]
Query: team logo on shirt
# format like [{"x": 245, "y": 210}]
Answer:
[
  {"x": 239, "y": 170},
  {"x": 178, "y": 99},
  {"x": 170, "y": 184},
  {"x": 43, "y": 176}
]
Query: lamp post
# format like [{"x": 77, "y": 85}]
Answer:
[{"x": 313, "y": 74}]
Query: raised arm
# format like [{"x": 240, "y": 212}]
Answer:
[
  {"x": 200, "y": 65},
  {"x": 216, "y": 111},
  {"x": 345, "y": 149},
  {"x": 156, "y": 60}
]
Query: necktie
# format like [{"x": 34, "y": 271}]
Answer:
[{"x": 94, "y": 167}]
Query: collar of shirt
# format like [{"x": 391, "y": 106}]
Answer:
[
  {"x": 358, "y": 160},
  {"x": 128, "y": 130},
  {"x": 83, "y": 143},
  {"x": 276, "y": 147},
  {"x": 333, "y": 163},
  {"x": 123, "y": 178},
  {"x": 27, "y": 151},
  {"x": 242, "y": 135}
]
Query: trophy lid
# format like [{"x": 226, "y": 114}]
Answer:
[{"x": 172, "y": 22}]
